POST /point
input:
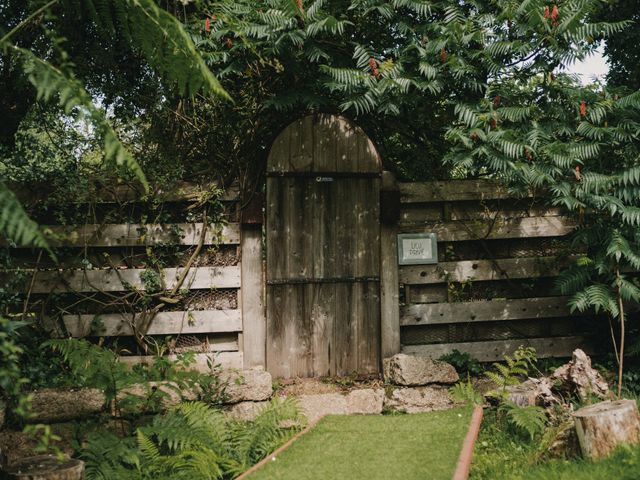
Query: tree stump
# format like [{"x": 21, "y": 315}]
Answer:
[
  {"x": 46, "y": 467},
  {"x": 605, "y": 425}
]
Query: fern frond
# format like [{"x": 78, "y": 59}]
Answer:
[{"x": 15, "y": 224}]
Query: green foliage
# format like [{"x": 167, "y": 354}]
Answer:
[
  {"x": 15, "y": 222},
  {"x": 98, "y": 367},
  {"x": 511, "y": 372},
  {"x": 12, "y": 380},
  {"x": 464, "y": 392},
  {"x": 529, "y": 419},
  {"x": 192, "y": 441},
  {"x": 463, "y": 362}
]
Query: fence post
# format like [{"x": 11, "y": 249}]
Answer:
[
  {"x": 254, "y": 325},
  {"x": 389, "y": 283}
]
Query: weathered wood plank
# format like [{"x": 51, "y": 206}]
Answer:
[
  {"x": 486, "y": 310},
  {"x": 179, "y": 192},
  {"x": 499, "y": 269},
  {"x": 461, "y": 230},
  {"x": 253, "y": 314},
  {"x": 164, "y": 323},
  {"x": 120, "y": 280},
  {"x": 229, "y": 360},
  {"x": 415, "y": 214},
  {"x": 133, "y": 234},
  {"x": 451, "y": 191},
  {"x": 495, "y": 350},
  {"x": 389, "y": 284}
]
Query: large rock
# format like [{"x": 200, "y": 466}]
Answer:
[
  {"x": 419, "y": 399},
  {"x": 366, "y": 401},
  {"x": 578, "y": 377},
  {"x": 51, "y": 405},
  {"x": 314, "y": 407},
  {"x": 414, "y": 370},
  {"x": 253, "y": 385},
  {"x": 246, "y": 411},
  {"x": 153, "y": 396}
]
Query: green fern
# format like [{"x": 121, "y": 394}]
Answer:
[
  {"x": 464, "y": 392},
  {"x": 191, "y": 442},
  {"x": 530, "y": 419},
  {"x": 511, "y": 371},
  {"x": 15, "y": 224}
]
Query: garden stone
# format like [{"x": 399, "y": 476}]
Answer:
[
  {"x": 168, "y": 394},
  {"x": 314, "y": 407},
  {"x": 366, "y": 401},
  {"x": 579, "y": 377},
  {"x": 246, "y": 411},
  {"x": 247, "y": 385},
  {"x": 419, "y": 399},
  {"x": 415, "y": 370},
  {"x": 51, "y": 405}
]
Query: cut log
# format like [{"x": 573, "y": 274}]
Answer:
[
  {"x": 47, "y": 467},
  {"x": 605, "y": 425}
]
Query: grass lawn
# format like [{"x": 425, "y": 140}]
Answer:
[
  {"x": 382, "y": 447},
  {"x": 499, "y": 455}
]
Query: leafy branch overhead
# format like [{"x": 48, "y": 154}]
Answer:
[{"x": 156, "y": 34}]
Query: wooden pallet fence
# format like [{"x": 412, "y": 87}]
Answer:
[
  {"x": 470, "y": 218},
  {"x": 221, "y": 328}
]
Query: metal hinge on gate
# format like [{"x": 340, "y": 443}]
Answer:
[{"x": 301, "y": 281}]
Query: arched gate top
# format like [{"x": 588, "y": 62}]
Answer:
[{"x": 323, "y": 143}]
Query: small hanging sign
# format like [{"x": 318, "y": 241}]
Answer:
[{"x": 417, "y": 248}]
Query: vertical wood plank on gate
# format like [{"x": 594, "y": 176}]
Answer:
[
  {"x": 389, "y": 281},
  {"x": 253, "y": 315},
  {"x": 322, "y": 317}
]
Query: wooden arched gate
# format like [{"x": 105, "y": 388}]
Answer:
[{"x": 323, "y": 250}]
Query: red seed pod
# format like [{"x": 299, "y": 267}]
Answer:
[
  {"x": 494, "y": 123},
  {"x": 577, "y": 173},
  {"x": 207, "y": 25},
  {"x": 554, "y": 15},
  {"x": 496, "y": 100},
  {"x": 229, "y": 42},
  {"x": 374, "y": 67},
  {"x": 443, "y": 55},
  {"x": 528, "y": 154},
  {"x": 474, "y": 136},
  {"x": 583, "y": 108},
  {"x": 300, "y": 6},
  {"x": 546, "y": 11}
]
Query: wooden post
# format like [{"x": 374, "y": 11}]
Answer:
[
  {"x": 254, "y": 329},
  {"x": 389, "y": 283},
  {"x": 605, "y": 425}
]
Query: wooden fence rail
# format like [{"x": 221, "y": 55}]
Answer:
[{"x": 475, "y": 299}]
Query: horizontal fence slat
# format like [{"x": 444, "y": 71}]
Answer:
[
  {"x": 180, "y": 192},
  {"x": 485, "y": 310},
  {"x": 134, "y": 234},
  {"x": 526, "y": 267},
  {"x": 412, "y": 215},
  {"x": 495, "y": 350},
  {"x": 451, "y": 190},
  {"x": 117, "y": 280},
  {"x": 164, "y": 323},
  {"x": 465, "y": 230},
  {"x": 231, "y": 360}
]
